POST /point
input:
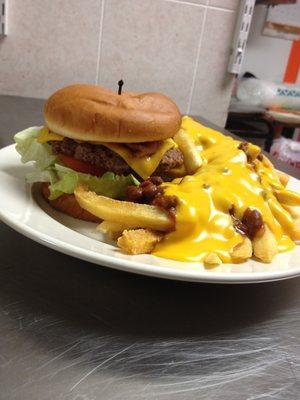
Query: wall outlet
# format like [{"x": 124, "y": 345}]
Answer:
[{"x": 3, "y": 17}]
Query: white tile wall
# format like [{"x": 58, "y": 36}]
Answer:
[
  {"x": 230, "y": 4},
  {"x": 151, "y": 46},
  {"x": 180, "y": 47},
  {"x": 213, "y": 84},
  {"x": 49, "y": 44}
]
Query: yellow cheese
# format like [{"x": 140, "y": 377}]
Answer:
[
  {"x": 46, "y": 136},
  {"x": 226, "y": 178},
  {"x": 143, "y": 166}
]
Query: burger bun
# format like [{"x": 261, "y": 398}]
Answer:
[
  {"x": 94, "y": 114},
  {"x": 67, "y": 204}
]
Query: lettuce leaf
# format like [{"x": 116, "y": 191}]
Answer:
[
  {"x": 63, "y": 179},
  {"x": 31, "y": 150},
  {"x": 109, "y": 184},
  {"x": 47, "y": 175}
]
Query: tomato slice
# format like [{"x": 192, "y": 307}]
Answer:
[{"x": 80, "y": 166}]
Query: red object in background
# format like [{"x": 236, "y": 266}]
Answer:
[
  {"x": 80, "y": 166},
  {"x": 293, "y": 66}
]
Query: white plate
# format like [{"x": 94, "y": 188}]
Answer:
[{"x": 25, "y": 211}]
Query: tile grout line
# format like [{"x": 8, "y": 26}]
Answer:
[
  {"x": 100, "y": 42},
  {"x": 196, "y": 63},
  {"x": 222, "y": 9},
  {"x": 201, "y": 5}
]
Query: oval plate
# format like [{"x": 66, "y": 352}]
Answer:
[{"x": 25, "y": 211}]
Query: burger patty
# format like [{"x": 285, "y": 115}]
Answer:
[{"x": 108, "y": 160}]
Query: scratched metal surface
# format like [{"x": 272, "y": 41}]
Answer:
[{"x": 71, "y": 330}]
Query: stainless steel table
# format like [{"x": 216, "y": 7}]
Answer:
[{"x": 73, "y": 330}]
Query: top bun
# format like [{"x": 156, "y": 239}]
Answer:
[{"x": 94, "y": 114}]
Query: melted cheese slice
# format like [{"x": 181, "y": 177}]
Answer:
[
  {"x": 46, "y": 136},
  {"x": 143, "y": 166},
  {"x": 226, "y": 178}
]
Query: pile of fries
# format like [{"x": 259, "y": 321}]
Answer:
[{"x": 138, "y": 228}]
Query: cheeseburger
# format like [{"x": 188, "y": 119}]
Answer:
[{"x": 107, "y": 140}]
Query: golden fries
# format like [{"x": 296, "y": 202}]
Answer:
[
  {"x": 295, "y": 213},
  {"x": 296, "y": 231},
  {"x": 266, "y": 162},
  {"x": 293, "y": 210},
  {"x": 242, "y": 251},
  {"x": 127, "y": 214},
  {"x": 113, "y": 230},
  {"x": 265, "y": 246},
  {"x": 253, "y": 151},
  {"x": 139, "y": 241},
  {"x": 290, "y": 201},
  {"x": 288, "y": 197},
  {"x": 212, "y": 259},
  {"x": 283, "y": 177},
  {"x": 192, "y": 158}
]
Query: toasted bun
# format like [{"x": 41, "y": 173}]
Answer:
[
  {"x": 94, "y": 114},
  {"x": 67, "y": 204}
]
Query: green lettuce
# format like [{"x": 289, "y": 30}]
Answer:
[
  {"x": 31, "y": 150},
  {"x": 109, "y": 184},
  {"x": 63, "y": 179}
]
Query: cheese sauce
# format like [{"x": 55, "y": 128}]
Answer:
[{"x": 226, "y": 178}]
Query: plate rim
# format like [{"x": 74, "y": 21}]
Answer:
[{"x": 137, "y": 267}]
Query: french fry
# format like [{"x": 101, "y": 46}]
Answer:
[
  {"x": 290, "y": 201},
  {"x": 192, "y": 158},
  {"x": 139, "y": 241},
  {"x": 265, "y": 246},
  {"x": 109, "y": 226},
  {"x": 293, "y": 210},
  {"x": 242, "y": 251},
  {"x": 112, "y": 229},
  {"x": 253, "y": 151},
  {"x": 127, "y": 214},
  {"x": 283, "y": 177},
  {"x": 296, "y": 231},
  {"x": 284, "y": 218},
  {"x": 266, "y": 162},
  {"x": 288, "y": 197},
  {"x": 212, "y": 259}
]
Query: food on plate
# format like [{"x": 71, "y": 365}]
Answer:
[
  {"x": 139, "y": 241},
  {"x": 212, "y": 259},
  {"x": 107, "y": 141},
  {"x": 234, "y": 206},
  {"x": 242, "y": 251},
  {"x": 113, "y": 230},
  {"x": 158, "y": 183},
  {"x": 284, "y": 178},
  {"x": 187, "y": 146},
  {"x": 265, "y": 246},
  {"x": 125, "y": 213},
  {"x": 123, "y": 134}
]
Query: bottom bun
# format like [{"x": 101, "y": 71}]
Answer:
[{"x": 67, "y": 204}]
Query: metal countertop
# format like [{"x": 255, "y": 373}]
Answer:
[{"x": 74, "y": 330}]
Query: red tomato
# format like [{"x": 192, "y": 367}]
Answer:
[{"x": 80, "y": 166}]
